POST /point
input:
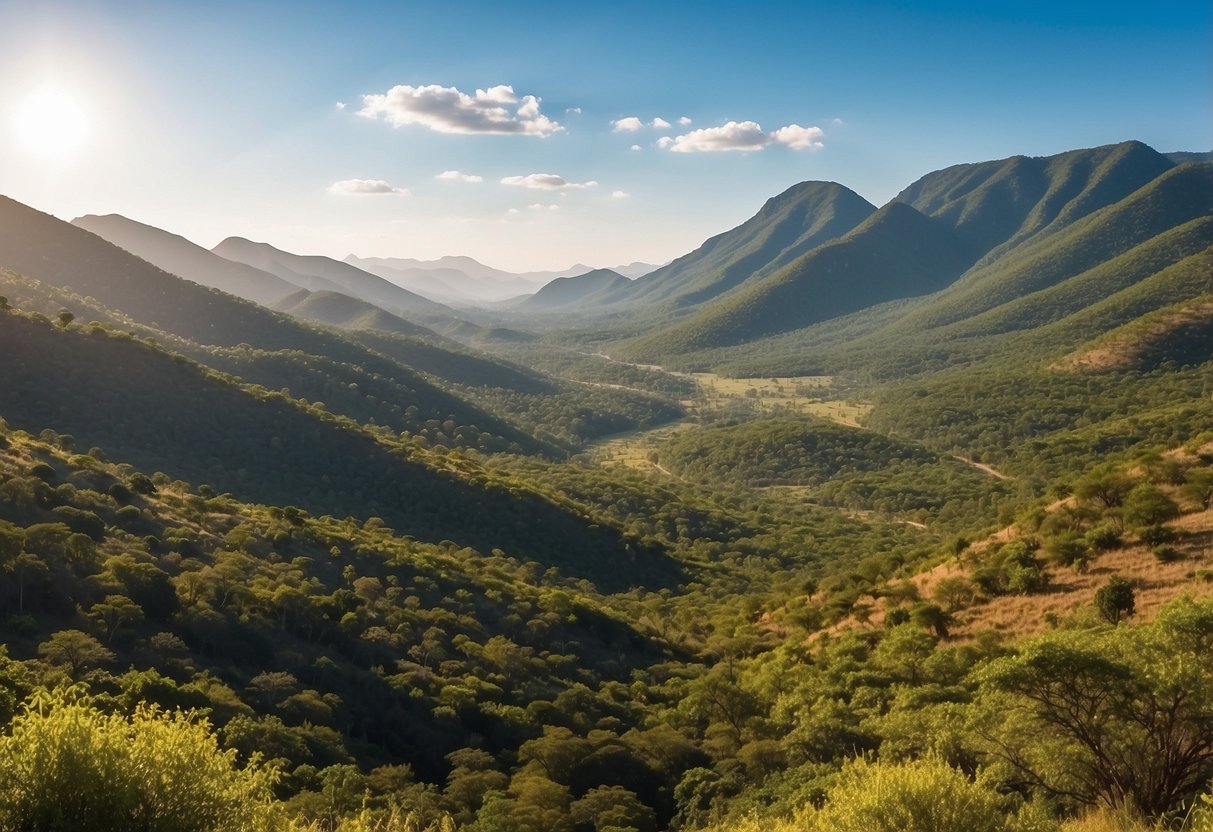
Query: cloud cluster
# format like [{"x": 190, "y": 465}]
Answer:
[
  {"x": 631, "y": 124},
  {"x": 546, "y": 182},
  {"x": 365, "y": 187},
  {"x": 456, "y": 176},
  {"x": 495, "y": 111},
  {"x": 742, "y": 136}
]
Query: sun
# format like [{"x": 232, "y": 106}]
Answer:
[{"x": 51, "y": 123}]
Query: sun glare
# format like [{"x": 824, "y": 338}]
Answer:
[{"x": 51, "y": 123}]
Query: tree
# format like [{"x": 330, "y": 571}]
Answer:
[
  {"x": 1147, "y": 506},
  {"x": 1115, "y": 599},
  {"x": 954, "y": 592},
  {"x": 1199, "y": 487},
  {"x": 1119, "y": 716},
  {"x": 74, "y": 650},
  {"x": 1105, "y": 486}
]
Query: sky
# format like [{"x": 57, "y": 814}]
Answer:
[{"x": 534, "y": 135}]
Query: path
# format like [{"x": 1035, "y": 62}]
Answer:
[{"x": 985, "y": 469}]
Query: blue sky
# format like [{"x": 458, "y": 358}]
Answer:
[{"x": 222, "y": 118}]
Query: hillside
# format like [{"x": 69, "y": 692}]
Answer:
[
  {"x": 896, "y": 253},
  {"x": 998, "y": 205},
  {"x": 177, "y": 255},
  {"x": 345, "y": 312},
  {"x": 319, "y": 273},
  {"x": 159, "y": 412},
  {"x": 1066, "y": 282},
  {"x": 584, "y": 290},
  {"x": 788, "y": 225}
]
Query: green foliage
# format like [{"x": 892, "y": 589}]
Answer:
[
  {"x": 923, "y": 796},
  {"x": 1115, "y": 715},
  {"x": 1115, "y": 599},
  {"x": 68, "y": 766}
]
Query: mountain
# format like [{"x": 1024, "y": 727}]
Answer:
[
  {"x": 1033, "y": 240},
  {"x": 998, "y": 205},
  {"x": 465, "y": 280},
  {"x": 457, "y": 279},
  {"x": 342, "y": 277},
  {"x": 177, "y": 255},
  {"x": 788, "y": 225},
  {"x": 1181, "y": 157},
  {"x": 589, "y": 288},
  {"x": 897, "y": 253},
  {"x": 76, "y": 270},
  {"x": 345, "y": 312}
]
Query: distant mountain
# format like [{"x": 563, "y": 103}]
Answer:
[
  {"x": 789, "y": 225},
  {"x": 177, "y": 255},
  {"x": 333, "y": 275},
  {"x": 589, "y": 288},
  {"x": 87, "y": 275},
  {"x": 465, "y": 280},
  {"x": 1181, "y": 157},
  {"x": 634, "y": 270},
  {"x": 454, "y": 279}
]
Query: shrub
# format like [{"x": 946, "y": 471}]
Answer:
[
  {"x": 922, "y": 796},
  {"x": 69, "y": 767}
]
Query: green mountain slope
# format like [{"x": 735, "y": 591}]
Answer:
[
  {"x": 162, "y": 412},
  {"x": 897, "y": 253},
  {"x": 347, "y": 279},
  {"x": 345, "y": 312},
  {"x": 177, "y": 255},
  {"x": 1179, "y": 196},
  {"x": 998, "y": 205},
  {"x": 585, "y": 289},
  {"x": 133, "y": 294},
  {"x": 788, "y": 225}
]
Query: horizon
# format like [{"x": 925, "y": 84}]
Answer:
[{"x": 596, "y": 137}]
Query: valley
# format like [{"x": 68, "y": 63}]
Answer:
[{"x": 849, "y": 495}]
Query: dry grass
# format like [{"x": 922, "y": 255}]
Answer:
[{"x": 1122, "y": 350}]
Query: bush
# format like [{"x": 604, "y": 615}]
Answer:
[
  {"x": 1165, "y": 553},
  {"x": 1103, "y": 538},
  {"x": 69, "y": 767},
  {"x": 922, "y": 796}
]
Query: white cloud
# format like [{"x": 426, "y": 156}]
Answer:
[
  {"x": 660, "y": 123},
  {"x": 734, "y": 135},
  {"x": 630, "y": 124},
  {"x": 837, "y": 122},
  {"x": 576, "y": 110},
  {"x": 456, "y": 176},
  {"x": 365, "y": 187},
  {"x": 635, "y": 147},
  {"x": 447, "y": 110},
  {"x": 340, "y": 105},
  {"x": 799, "y": 138},
  {"x": 545, "y": 182},
  {"x": 743, "y": 136},
  {"x": 619, "y": 194},
  {"x": 684, "y": 121},
  {"x": 539, "y": 206},
  {"x": 512, "y": 211}
]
